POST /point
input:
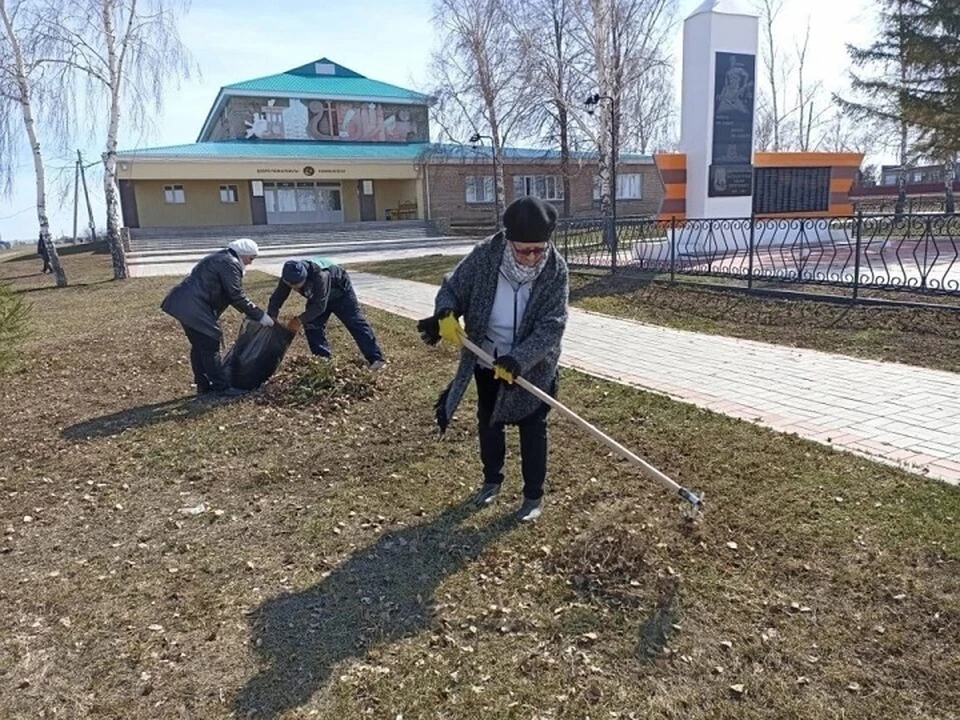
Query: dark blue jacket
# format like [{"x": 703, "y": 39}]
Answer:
[{"x": 321, "y": 286}]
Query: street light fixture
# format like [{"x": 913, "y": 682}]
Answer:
[
  {"x": 592, "y": 101},
  {"x": 475, "y": 139}
]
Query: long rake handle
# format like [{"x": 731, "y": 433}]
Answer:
[{"x": 647, "y": 468}]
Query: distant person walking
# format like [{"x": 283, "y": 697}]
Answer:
[
  {"x": 42, "y": 252},
  {"x": 198, "y": 302}
]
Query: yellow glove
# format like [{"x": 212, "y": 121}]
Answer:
[
  {"x": 507, "y": 369},
  {"x": 450, "y": 330}
]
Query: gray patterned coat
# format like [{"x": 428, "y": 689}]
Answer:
[{"x": 469, "y": 292}]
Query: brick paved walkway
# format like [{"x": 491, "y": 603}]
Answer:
[{"x": 897, "y": 414}]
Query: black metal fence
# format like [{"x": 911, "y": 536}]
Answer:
[
  {"x": 920, "y": 253},
  {"x": 884, "y": 205}
]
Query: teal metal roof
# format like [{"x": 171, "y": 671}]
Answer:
[
  {"x": 320, "y": 150},
  {"x": 332, "y": 82}
]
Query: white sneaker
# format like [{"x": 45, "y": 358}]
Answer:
[
  {"x": 378, "y": 365},
  {"x": 530, "y": 510}
]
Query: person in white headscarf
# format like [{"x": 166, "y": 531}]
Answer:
[{"x": 201, "y": 298}]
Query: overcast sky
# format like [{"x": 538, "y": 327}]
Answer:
[{"x": 234, "y": 40}]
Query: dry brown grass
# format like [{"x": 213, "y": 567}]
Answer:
[{"x": 334, "y": 573}]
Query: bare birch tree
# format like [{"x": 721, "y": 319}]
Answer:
[
  {"x": 478, "y": 71},
  {"x": 550, "y": 59},
  {"x": 650, "y": 112},
  {"x": 842, "y": 133},
  {"x": 776, "y": 70},
  {"x": 594, "y": 31},
  {"x": 626, "y": 41},
  {"x": 811, "y": 107},
  {"x": 29, "y": 83},
  {"x": 126, "y": 52}
]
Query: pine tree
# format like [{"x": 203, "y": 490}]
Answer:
[
  {"x": 13, "y": 326},
  {"x": 932, "y": 103},
  {"x": 932, "y": 45},
  {"x": 882, "y": 94}
]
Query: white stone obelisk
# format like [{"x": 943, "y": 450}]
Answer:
[{"x": 731, "y": 29}]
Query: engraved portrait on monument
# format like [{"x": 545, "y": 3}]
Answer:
[{"x": 731, "y": 171}]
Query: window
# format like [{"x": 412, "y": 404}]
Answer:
[
  {"x": 228, "y": 194},
  {"x": 480, "y": 188},
  {"x": 306, "y": 197},
  {"x": 174, "y": 195},
  {"x": 545, "y": 187},
  {"x": 286, "y": 197},
  {"x": 629, "y": 187},
  {"x": 302, "y": 197}
]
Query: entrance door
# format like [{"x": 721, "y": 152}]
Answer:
[
  {"x": 368, "y": 203},
  {"x": 304, "y": 203}
]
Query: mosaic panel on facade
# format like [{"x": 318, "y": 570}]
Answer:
[{"x": 306, "y": 119}]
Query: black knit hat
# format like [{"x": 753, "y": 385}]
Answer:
[{"x": 529, "y": 220}]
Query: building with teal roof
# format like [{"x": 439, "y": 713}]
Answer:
[{"x": 322, "y": 144}]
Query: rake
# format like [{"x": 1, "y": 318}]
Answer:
[{"x": 696, "y": 502}]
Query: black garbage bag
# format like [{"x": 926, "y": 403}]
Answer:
[{"x": 256, "y": 354}]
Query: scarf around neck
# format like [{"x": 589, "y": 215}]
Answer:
[{"x": 521, "y": 274}]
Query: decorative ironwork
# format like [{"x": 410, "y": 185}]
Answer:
[{"x": 919, "y": 253}]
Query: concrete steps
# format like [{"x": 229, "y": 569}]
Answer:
[
  {"x": 327, "y": 247},
  {"x": 166, "y": 240}
]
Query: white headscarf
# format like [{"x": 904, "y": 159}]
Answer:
[{"x": 244, "y": 246}]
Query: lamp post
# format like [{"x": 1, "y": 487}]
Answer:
[
  {"x": 592, "y": 102},
  {"x": 474, "y": 139}
]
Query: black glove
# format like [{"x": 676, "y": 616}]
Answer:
[
  {"x": 429, "y": 328},
  {"x": 506, "y": 368}
]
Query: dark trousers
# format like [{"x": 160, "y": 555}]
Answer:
[
  {"x": 493, "y": 441},
  {"x": 208, "y": 371},
  {"x": 344, "y": 304}
]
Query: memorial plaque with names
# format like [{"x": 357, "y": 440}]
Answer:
[
  {"x": 792, "y": 190},
  {"x": 730, "y": 181},
  {"x": 733, "y": 109}
]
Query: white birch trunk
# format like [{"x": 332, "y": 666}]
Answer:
[
  {"x": 602, "y": 18},
  {"x": 26, "y": 108},
  {"x": 111, "y": 193}
]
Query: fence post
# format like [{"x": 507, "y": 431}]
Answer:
[
  {"x": 926, "y": 254},
  {"x": 614, "y": 244},
  {"x": 858, "y": 232},
  {"x": 753, "y": 225},
  {"x": 673, "y": 248}
]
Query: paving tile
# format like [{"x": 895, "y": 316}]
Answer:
[{"x": 889, "y": 412}]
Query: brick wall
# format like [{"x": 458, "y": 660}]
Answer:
[{"x": 447, "y": 183}]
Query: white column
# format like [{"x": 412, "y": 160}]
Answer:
[{"x": 717, "y": 26}]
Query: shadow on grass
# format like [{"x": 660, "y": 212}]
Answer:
[
  {"x": 53, "y": 286},
  {"x": 380, "y": 595},
  {"x": 138, "y": 417},
  {"x": 97, "y": 248},
  {"x": 11, "y": 278},
  {"x": 658, "y": 627}
]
